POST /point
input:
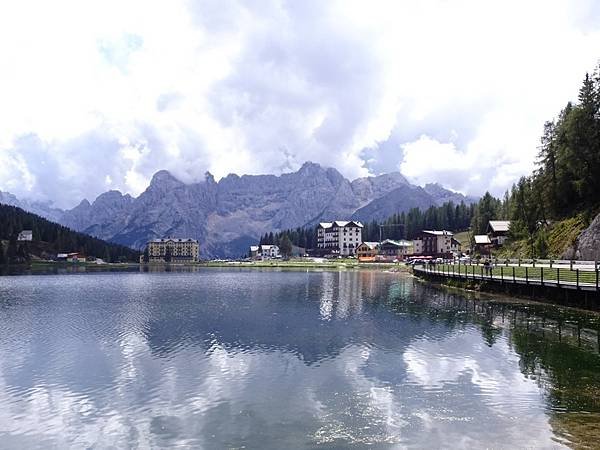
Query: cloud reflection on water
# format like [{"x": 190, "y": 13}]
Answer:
[{"x": 268, "y": 359}]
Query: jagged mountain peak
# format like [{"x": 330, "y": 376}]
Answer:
[
  {"x": 443, "y": 195},
  {"x": 112, "y": 194},
  {"x": 232, "y": 213},
  {"x": 112, "y": 199},
  {"x": 434, "y": 187},
  {"x": 162, "y": 177},
  {"x": 310, "y": 166},
  {"x": 83, "y": 204},
  {"x": 209, "y": 177}
]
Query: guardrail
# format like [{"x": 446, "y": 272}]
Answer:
[
  {"x": 580, "y": 279},
  {"x": 540, "y": 262}
]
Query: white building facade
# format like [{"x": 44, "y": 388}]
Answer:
[
  {"x": 269, "y": 251},
  {"x": 435, "y": 243},
  {"x": 339, "y": 237},
  {"x": 25, "y": 235}
]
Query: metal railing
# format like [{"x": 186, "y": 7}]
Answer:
[
  {"x": 586, "y": 279},
  {"x": 520, "y": 262}
]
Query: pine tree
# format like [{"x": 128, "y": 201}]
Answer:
[{"x": 285, "y": 246}]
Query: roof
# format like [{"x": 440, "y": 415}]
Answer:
[
  {"x": 66, "y": 255},
  {"x": 371, "y": 245},
  {"x": 268, "y": 247},
  {"x": 438, "y": 232},
  {"x": 341, "y": 223},
  {"x": 174, "y": 240},
  {"x": 482, "y": 239},
  {"x": 254, "y": 248},
  {"x": 499, "y": 225},
  {"x": 400, "y": 243},
  {"x": 26, "y": 232}
]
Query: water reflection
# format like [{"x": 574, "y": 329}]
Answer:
[{"x": 288, "y": 359}]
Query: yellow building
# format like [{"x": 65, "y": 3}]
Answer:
[{"x": 173, "y": 250}]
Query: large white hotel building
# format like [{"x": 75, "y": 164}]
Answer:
[{"x": 339, "y": 237}]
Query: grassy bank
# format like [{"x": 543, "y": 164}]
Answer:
[
  {"x": 560, "y": 236},
  {"x": 532, "y": 273}
]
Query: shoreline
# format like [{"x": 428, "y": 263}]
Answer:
[
  {"x": 55, "y": 268},
  {"x": 40, "y": 266}
]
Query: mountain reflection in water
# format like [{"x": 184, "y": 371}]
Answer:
[{"x": 218, "y": 358}]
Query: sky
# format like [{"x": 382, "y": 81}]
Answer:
[{"x": 99, "y": 95}]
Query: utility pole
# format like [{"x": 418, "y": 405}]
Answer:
[{"x": 394, "y": 225}]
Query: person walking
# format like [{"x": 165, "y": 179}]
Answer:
[{"x": 487, "y": 267}]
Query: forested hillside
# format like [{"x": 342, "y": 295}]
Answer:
[
  {"x": 49, "y": 236},
  {"x": 552, "y": 206},
  {"x": 566, "y": 183}
]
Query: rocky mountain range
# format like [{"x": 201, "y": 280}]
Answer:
[
  {"x": 228, "y": 215},
  {"x": 43, "y": 209}
]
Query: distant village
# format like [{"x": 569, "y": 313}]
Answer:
[
  {"x": 338, "y": 239},
  {"x": 344, "y": 239}
]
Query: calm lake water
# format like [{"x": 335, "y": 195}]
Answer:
[{"x": 220, "y": 358}]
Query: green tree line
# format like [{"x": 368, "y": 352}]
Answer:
[
  {"x": 61, "y": 239},
  {"x": 566, "y": 181}
]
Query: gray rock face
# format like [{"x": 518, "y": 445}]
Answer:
[
  {"x": 97, "y": 218},
  {"x": 369, "y": 188},
  {"x": 442, "y": 195},
  {"x": 229, "y": 215},
  {"x": 587, "y": 245},
  {"x": 43, "y": 209},
  {"x": 398, "y": 200}
]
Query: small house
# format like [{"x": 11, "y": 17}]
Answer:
[
  {"x": 391, "y": 249},
  {"x": 254, "y": 251},
  {"x": 70, "y": 257},
  {"x": 497, "y": 230},
  {"x": 483, "y": 244},
  {"x": 367, "y": 251},
  {"x": 25, "y": 235},
  {"x": 269, "y": 251}
]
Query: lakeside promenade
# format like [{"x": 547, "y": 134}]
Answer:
[{"x": 583, "y": 277}]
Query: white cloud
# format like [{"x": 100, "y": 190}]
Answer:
[{"x": 228, "y": 87}]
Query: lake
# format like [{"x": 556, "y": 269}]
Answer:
[{"x": 233, "y": 358}]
